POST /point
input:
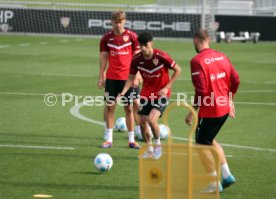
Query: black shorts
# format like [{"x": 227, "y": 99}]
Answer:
[
  {"x": 208, "y": 128},
  {"x": 114, "y": 87},
  {"x": 147, "y": 105}
]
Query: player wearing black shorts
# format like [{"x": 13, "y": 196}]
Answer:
[
  {"x": 215, "y": 81},
  {"x": 153, "y": 65}
]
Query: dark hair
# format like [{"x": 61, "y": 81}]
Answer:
[
  {"x": 201, "y": 34},
  {"x": 145, "y": 37}
]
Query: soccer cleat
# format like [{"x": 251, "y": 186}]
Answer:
[
  {"x": 212, "y": 188},
  {"x": 157, "y": 152},
  {"x": 146, "y": 155},
  {"x": 106, "y": 144},
  {"x": 134, "y": 145},
  {"x": 228, "y": 181}
]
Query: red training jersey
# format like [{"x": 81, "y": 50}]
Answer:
[
  {"x": 214, "y": 78},
  {"x": 120, "y": 50},
  {"x": 154, "y": 71}
]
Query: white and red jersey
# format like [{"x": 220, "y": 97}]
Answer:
[
  {"x": 154, "y": 71},
  {"x": 214, "y": 78},
  {"x": 120, "y": 50}
]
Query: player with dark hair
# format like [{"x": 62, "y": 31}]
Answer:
[
  {"x": 215, "y": 81},
  {"x": 117, "y": 48},
  {"x": 154, "y": 66}
]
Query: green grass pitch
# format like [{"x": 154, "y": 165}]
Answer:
[{"x": 31, "y": 66}]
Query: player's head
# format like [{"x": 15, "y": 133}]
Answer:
[
  {"x": 201, "y": 39},
  {"x": 145, "y": 41},
  {"x": 118, "y": 19}
]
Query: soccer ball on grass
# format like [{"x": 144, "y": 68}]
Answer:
[
  {"x": 103, "y": 162},
  {"x": 120, "y": 124}
]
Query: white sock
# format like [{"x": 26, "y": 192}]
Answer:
[
  {"x": 150, "y": 148},
  {"x": 157, "y": 141},
  {"x": 225, "y": 171},
  {"x": 213, "y": 174},
  {"x": 131, "y": 136},
  {"x": 109, "y": 135},
  {"x": 105, "y": 134}
]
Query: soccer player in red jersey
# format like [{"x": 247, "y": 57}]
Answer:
[
  {"x": 117, "y": 48},
  {"x": 154, "y": 66},
  {"x": 215, "y": 81}
]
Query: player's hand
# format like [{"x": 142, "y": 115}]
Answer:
[
  {"x": 101, "y": 83},
  {"x": 232, "y": 109},
  {"x": 163, "y": 92},
  {"x": 119, "y": 97},
  {"x": 135, "y": 83},
  {"x": 189, "y": 118}
]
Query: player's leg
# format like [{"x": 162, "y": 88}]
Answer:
[
  {"x": 158, "y": 107},
  {"x": 206, "y": 131},
  {"x": 104, "y": 116},
  {"x": 128, "y": 107},
  {"x": 227, "y": 178},
  {"x": 136, "y": 103},
  {"x": 146, "y": 136},
  {"x": 109, "y": 110}
]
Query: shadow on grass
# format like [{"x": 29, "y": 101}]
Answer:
[{"x": 70, "y": 186}]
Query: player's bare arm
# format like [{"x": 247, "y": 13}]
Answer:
[
  {"x": 175, "y": 75},
  {"x": 137, "y": 80},
  {"x": 103, "y": 64},
  {"x": 189, "y": 117},
  {"x": 128, "y": 85}
]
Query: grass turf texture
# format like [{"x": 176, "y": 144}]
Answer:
[{"x": 70, "y": 65}]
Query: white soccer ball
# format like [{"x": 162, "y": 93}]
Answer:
[
  {"x": 120, "y": 124},
  {"x": 164, "y": 131},
  {"x": 103, "y": 162},
  {"x": 138, "y": 133}
]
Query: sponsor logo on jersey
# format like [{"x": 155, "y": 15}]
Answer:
[
  {"x": 218, "y": 76},
  {"x": 211, "y": 60},
  {"x": 151, "y": 76},
  {"x": 115, "y": 53}
]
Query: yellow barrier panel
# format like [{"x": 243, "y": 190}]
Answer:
[{"x": 180, "y": 172}]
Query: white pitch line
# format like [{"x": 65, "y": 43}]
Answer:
[
  {"x": 36, "y": 147},
  {"x": 75, "y": 112},
  {"x": 67, "y": 75},
  {"x": 4, "y": 46},
  {"x": 43, "y": 42},
  {"x": 24, "y": 44},
  {"x": 235, "y": 146}
]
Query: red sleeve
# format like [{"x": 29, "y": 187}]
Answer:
[
  {"x": 235, "y": 80},
  {"x": 135, "y": 43},
  {"x": 168, "y": 61},
  {"x": 199, "y": 82},
  {"x": 103, "y": 45},
  {"x": 133, "y": 67}
]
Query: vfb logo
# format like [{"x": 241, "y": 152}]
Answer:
[{"x": 5, "y": 15}]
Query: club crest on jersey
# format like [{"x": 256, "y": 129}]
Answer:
[
  {"x": 125, "y": 38},
  {"x": 155, "y": 61}
]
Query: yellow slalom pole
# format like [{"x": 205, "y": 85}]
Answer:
[{"x": 190, "y": 144}]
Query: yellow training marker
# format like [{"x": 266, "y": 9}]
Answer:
[{"x": 42, "y": 196}]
